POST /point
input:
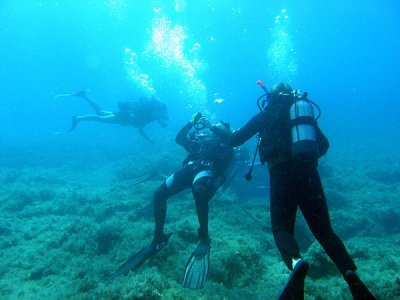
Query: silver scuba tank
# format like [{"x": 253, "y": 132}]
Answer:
[{"x": 304, "y": 140}]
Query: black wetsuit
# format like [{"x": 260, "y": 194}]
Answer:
[
  {"x": 138, "y": 113},
  {"x": 203, "y": 170},
  {"x": 294, "y": 184}
]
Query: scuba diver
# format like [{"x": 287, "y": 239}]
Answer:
[
  {"x": 203, "y": 171},
  {"x": 136, "y": 113},
  {"x": 290, "y": 142}
]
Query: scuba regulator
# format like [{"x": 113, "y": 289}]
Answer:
[
  {"x": 264, "y": 97},
  {"x": 261, "y": 107}
]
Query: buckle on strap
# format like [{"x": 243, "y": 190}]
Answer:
[{"x": 207, "y": 163}]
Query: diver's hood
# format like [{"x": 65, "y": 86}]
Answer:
[{"x": 279, "y": 89}]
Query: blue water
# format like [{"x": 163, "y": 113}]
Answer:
[
  {"x": 345, "y": 54},
  {"x": 195, "y": 56}
]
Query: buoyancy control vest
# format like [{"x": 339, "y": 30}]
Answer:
[{"x": 211, "y": 149}]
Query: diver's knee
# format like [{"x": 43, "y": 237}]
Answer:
[
  {"x": 324, "y": 234},
  {"x": 161, "y": 193},
  {"x": 202, "y": 190}
]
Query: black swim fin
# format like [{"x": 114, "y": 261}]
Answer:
[
  {"x": 81, "y": 94},
  {"x": 73, "y": 123},
  {"x": 143, "y": 178},
  {"x": 358, "y": 289},
  {"x": 294, "y": 288},
  {"x": 197, "y": 267},
  {"x": 137, "y": 259}
]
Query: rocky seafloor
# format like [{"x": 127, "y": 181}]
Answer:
[{"x": 64, "y": 229}]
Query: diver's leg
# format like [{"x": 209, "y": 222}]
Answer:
[
  {"x": 93, "y": 104},
  {"x": 95, "y": 118},
  {"x": 102, "y": 119},
  {"x": 284, "y": 199},
  {"x": 203, "y": 189},
  {"x": 160, "y": 210},
  {"x": 198, "y": 265},
  {"x": 144, "y": 134},
  {"x": 174, "y": 184},
  {"x": 315, "y": 211},
  {"x": 283, "y": 208}
]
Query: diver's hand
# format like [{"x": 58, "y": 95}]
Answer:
[
  {"x": 205, "y": 122},
  {"x": 222, "y": 130},
  {"x": 196, "y": 117}
]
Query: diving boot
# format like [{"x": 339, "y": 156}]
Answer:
[
  {"x": 357, "y": 287},
  {"x": 159, "y": 243}
]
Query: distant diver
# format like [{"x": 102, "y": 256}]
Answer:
[
  {"x": 137, "y": 113},
  {"x": 204, "y": 172}
]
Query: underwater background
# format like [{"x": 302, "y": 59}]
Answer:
[{"x": 69, "y": 213}]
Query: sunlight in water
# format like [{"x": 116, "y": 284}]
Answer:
[
  {"x": 180, "y": 5},
  {"x": 169, "y": 53},
  {"x": 117, "y": 7},
  {"x": 168, "y": 46},
  {"x": 134, "y": 72},
  {"x": 282, "y": 62},
  {"x": 168, "y": 42}
]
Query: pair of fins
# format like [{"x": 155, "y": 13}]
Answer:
[
  {"x": 294, "y": 288},
  {"x": 196, "y": 270}
]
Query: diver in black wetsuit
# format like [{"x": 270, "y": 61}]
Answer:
[
  {"x": 204, "y": 172},
  {"x": 291, "y": 143},
  {"x": 136, "y": 113}
]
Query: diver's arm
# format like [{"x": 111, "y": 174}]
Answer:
[
  {"x": 182, "y": 134},
  {"x": 141, "y": 130},
  {"x": 256, "y": 124},
  {"x": 224, "y": 135}
]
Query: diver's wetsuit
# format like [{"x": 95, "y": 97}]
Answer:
[
  {"x": 136, "y": 113},
  {"x": 203, "y": 170},
  {"x": 140, "y": 112},
  {"x": 293, "y": 184}
]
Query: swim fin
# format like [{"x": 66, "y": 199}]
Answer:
[
  {"x": 196, "y": 271},
  {"x": 294, "y": 288},
  {"x": 358, "y": 289},
  {"x": 73, "y": 123},
  {"x": 137, "y": 259},
  {"x": 81, "y": 94}
]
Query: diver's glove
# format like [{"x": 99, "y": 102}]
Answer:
[
  {"x": 222, "y": 130},
  {"x": 196, "y": 117},
  {"x": 204, "y": 121}
]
